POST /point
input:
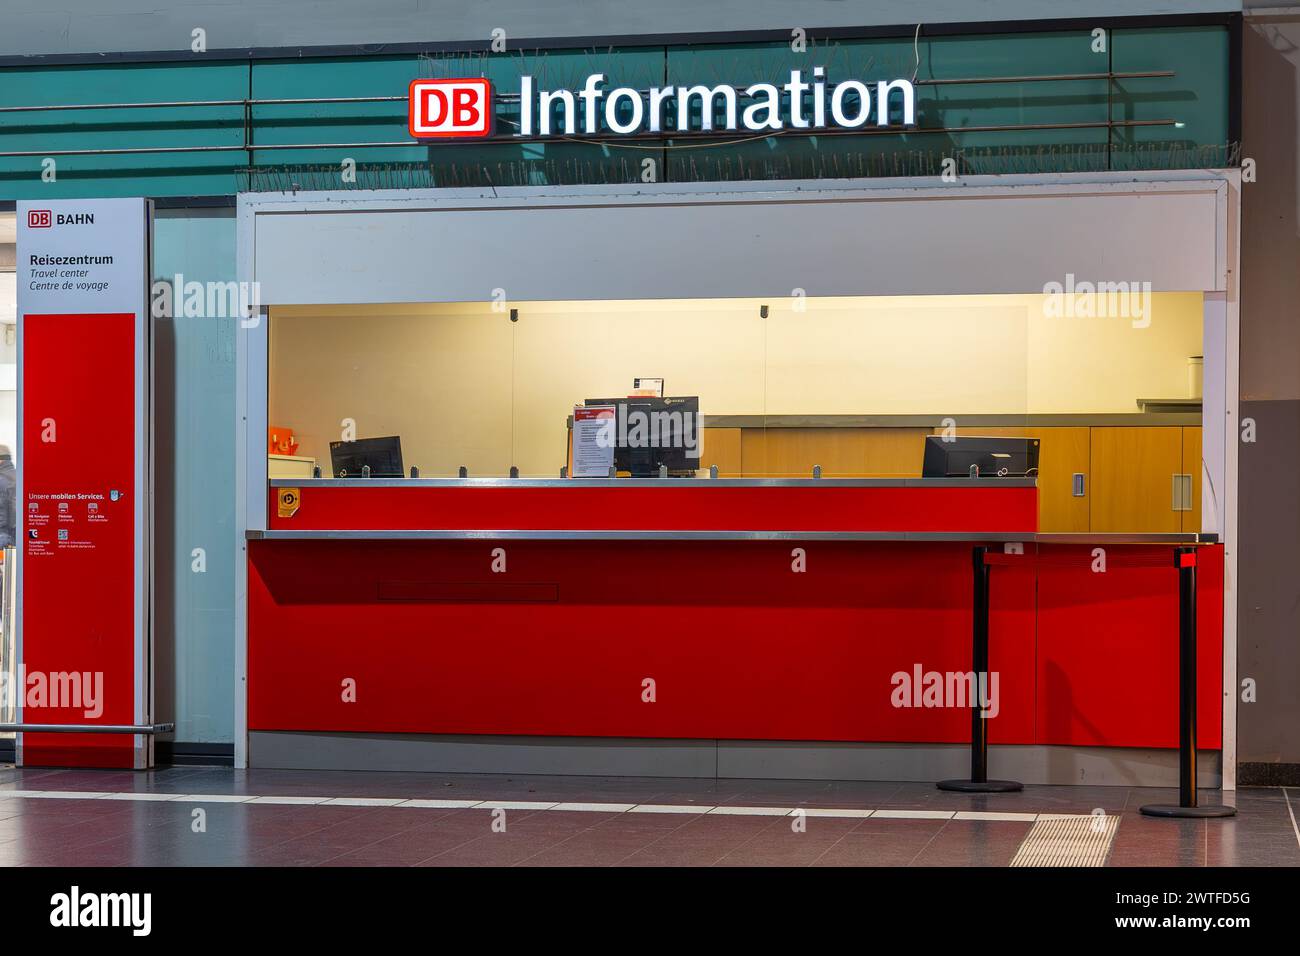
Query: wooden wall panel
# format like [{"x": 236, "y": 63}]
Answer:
[
  {"x": 841, "y": 452},
  {"x": 722, "y": 448}
]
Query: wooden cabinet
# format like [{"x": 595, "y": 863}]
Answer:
[
  {"x": 1134, "y": 472},
  {"x": 1135, "y": 478}
]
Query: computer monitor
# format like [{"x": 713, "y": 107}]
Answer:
[
  {"x": 996, "y": 457},
  {"x": 650, "y": 432},
  {"x": 383, "y": 455}
]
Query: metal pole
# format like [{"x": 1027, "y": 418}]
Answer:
[
  {"x": 979, "y": 781},
  {"x": 1185, "y": 562},
  {"x": 1187, "y": 681},
  {"x": 979, "y": 734}
]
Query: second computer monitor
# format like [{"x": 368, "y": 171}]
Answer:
[
  {"x": 383, "y": 455},
  {"x": 995, "y": 457}
]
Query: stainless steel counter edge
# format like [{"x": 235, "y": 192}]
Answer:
[
  {"x": 1047, "y": 420},
  {"x": 653, "y": 482},
  {"x": 975, "y": 537}
]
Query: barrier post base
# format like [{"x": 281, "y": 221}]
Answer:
[
  {"x": 980, "y": 786},
  {"x": 1174, "y": 810}
]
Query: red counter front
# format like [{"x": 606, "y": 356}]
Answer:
[{"x": 500, "y": 634}]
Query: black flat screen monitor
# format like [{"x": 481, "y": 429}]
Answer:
[
  {"x": 651, "y": 431},
  {"x": 383, "y": 455},
  {"x": 996, "y": 457}
]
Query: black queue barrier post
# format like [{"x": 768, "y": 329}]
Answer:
[
  {"x": 1185, "y": 562},
  {"x": 979, "y": 781}
]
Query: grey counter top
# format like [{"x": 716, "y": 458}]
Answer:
[
  {"x": 1136, "y": 419},
  {"x": 974, "y": 537}
]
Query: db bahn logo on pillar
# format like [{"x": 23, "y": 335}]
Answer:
[{"x": 450, "y": 109}]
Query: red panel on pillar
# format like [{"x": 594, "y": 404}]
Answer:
[{"x": 78, "y": 635}]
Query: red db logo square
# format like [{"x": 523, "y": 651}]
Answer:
[
  {"x": 445, "y": 109},
  {"x": 39, "y": 219}
]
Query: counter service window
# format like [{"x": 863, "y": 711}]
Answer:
[{"x": 1098, "y": 396}]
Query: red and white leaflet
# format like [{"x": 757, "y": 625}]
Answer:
[{"x": 593, "y": 440}]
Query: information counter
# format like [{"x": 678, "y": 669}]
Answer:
[
  {"x": 777, "y": 610},
  {"x": 764, "y": 574}
]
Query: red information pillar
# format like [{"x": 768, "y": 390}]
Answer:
[{"x": 83, "y": 650}]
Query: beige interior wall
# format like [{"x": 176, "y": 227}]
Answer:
[
  {"x": 443, "y": 384},
  {"x": 464, "y": 385},
  {"x": 1107, "y": 364}
]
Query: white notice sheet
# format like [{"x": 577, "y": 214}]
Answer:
[{"x": 593, "y": 441}]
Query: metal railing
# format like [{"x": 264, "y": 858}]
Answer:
[
  {"x": 11, "y": 686},
  {"x": 25, "y": 728}
]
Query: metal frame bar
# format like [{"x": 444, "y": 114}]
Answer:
[
  {"x": 142, "y": 729},
  {"x": 595, "y": 139}
]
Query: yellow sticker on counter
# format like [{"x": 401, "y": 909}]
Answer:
[{"x": 289, "y": 500}]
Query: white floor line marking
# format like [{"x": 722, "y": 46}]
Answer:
[
  {"x": 291, "y": 801},
  {"x": 56, "y": 794},
  {"x": 668, "y": 808},
  {"x": 752, "y": 811},
  {"x": 572, "y": 806},
  {"x": 159, "y": 797},
  {"x": 1287, "y": 797},
  {"x": 216, "y": 798},
  {"x": 361, "y": 802}
]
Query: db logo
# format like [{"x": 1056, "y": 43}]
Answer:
[
  {"x": 450, "y": 108},
  {"x": 288, "y": 502},
  {"x": 39, "y": 219}
]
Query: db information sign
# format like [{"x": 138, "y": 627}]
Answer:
[{"x": 447, "y": 109}]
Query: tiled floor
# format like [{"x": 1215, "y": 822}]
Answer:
[{"x": 108, "y": 831}]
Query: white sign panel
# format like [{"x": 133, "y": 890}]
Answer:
[{"x": 82, "y": 256}]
